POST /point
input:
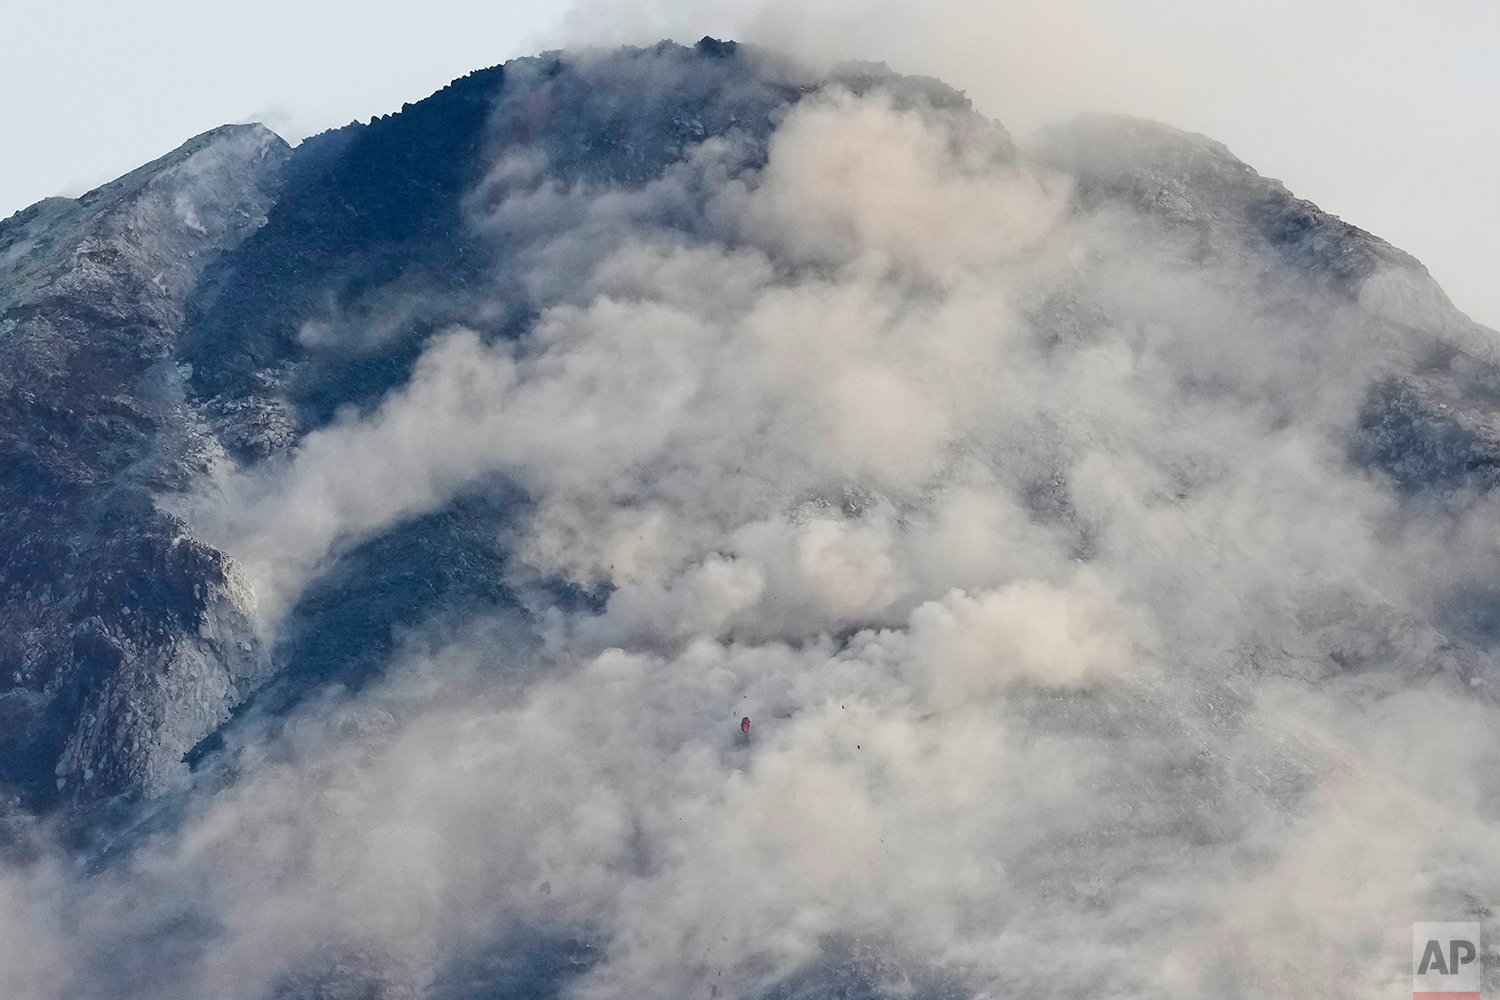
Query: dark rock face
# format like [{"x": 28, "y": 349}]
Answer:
[
  {"x": 380, "y": 214},
  {"x": 121, "y": 637},
  {"x": 1426, "y": 443}
]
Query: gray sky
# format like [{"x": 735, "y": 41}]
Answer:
[{"x": 1386, "y": 112}]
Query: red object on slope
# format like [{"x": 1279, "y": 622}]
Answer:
[{"x": 745, "y": 724}]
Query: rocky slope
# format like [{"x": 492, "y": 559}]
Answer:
[
  {"x": 224, "y": 296},
  {"x": 221, "y": 298},
  {"x": 122, "y": 638}
]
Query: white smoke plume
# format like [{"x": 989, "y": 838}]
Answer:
[{"x": 1080, "y": 660}]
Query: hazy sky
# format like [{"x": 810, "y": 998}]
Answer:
[{"x": 1386, "y": 112}]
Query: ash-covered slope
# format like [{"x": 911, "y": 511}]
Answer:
[
  {"x": 1429, "y": 422},
  {"x": 1100, "y": 537},
  {"x": 122, "y": 639}
]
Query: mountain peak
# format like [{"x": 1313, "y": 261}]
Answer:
[{"x": 400, "y": 533}]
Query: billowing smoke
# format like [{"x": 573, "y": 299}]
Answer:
[{"x": 1079, "y": 657}]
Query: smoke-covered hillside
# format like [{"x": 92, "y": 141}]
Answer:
[{"x": 396, "y": 529}]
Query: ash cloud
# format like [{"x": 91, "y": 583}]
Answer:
[{"x": 1080, "y": 657}]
